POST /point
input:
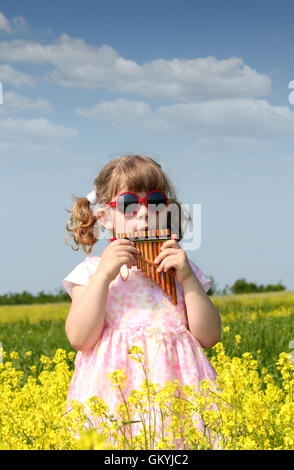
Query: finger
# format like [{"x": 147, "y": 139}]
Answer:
[
  {"x": 169, "y": 243},
  {"x": 126, "y": 248},
  {"x": 127, "y": 259},
  {"x": 122, "y": 241},
  {"x": 168, "y": 263},
  {"x": 165, "y": 253}
]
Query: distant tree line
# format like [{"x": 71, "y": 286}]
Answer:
[
  {"x": 239, "y": 287},
  {"x": 243, "y": 287},
  {"x": 28, "y": 298}
]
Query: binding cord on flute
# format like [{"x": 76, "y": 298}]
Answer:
[{"x": 149, "y": 243}]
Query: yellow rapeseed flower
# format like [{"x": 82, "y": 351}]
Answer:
[
  {"x": 14, "y": 355},
  {"x": 33, "y": 369},
  {"x": 71, "y": 355},
  {"x": 237, "y": 339},
  {"x": 92, "y": 440}
]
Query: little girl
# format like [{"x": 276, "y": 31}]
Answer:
[{"x": 110, "y": 314}]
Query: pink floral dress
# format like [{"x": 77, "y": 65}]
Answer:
[{"x": 138, "y": 313}]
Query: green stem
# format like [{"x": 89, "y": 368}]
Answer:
[
  {"x": 130, "y": 425},
  {"x": 147, "y": 382}
]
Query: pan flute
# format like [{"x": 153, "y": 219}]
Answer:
[{"x": 149, "y": 243}]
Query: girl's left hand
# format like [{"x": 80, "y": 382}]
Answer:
[{"x": 173, "y": 256}]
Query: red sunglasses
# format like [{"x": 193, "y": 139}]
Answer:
[{"x": 128, "y": 203}]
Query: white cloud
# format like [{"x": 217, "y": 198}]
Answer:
[
  {"x": 78, "y": 64},
  {"x": 226, "y": 118},
  {"x": 206, "y": 97},
  {"x": 4, "y": 23},
  {"x": 120, "y": 112},
  {"x": 35, "y": 130},
  {"x": 15, "y": 25},
  {"x": 23, "y": 149},
  {"x": 13, "y": 102},
  {"x": 12, "y": 76},
  {"x": 126, "y": 114}
]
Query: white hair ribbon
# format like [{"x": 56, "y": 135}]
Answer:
[{"x": 92, "y": 197}]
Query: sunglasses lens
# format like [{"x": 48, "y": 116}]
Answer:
[
  {"x": 127, "y": 203},
  {"x": 156, "y": 201}
]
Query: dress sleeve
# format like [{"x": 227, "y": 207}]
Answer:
[
  {"x": 204, "y": 280},
  {"x": 80, "y": 275}
]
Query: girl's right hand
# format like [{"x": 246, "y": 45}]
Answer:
[{"x": 117, "y": 253}]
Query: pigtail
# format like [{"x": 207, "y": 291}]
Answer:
[{"x": 82, "y": 225}]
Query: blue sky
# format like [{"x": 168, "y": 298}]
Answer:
[{"x": 200, "y": 86}]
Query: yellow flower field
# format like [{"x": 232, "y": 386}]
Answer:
[{"x": 254, "y": 407}]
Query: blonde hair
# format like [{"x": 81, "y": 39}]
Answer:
[{"x": 137, "y": 173}]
